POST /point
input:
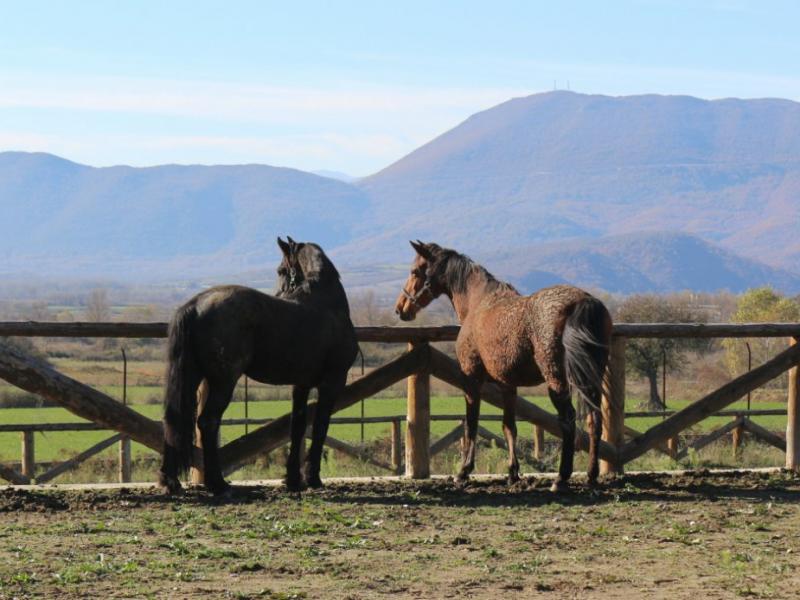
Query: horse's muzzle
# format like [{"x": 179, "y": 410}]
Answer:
[{"x": 404, "y": 316}]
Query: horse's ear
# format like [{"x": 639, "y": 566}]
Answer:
[
  {"x": 295, "y": 246},
  {"x": 421, "y": 249},
  {"x": 285, "y": 248}
]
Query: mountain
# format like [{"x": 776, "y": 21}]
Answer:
[
  {"x": 338, "y": 175},
  {"x": 564, "y": 165},
  {"x": 57, "y": 210},
  {"x": 622, "y": 193},
  {"x": 642, "y": 262}
]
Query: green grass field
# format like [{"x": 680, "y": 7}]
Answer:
[{"x": 60, "y": 445}]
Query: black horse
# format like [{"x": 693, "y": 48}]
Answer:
[{"x": 302, "y": 336}]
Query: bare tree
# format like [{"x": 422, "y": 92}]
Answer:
[
  {"x": 645, "y": 357},
  {"x": 98, "y": 307},
  {"x": 140, "y": 313},
  {"x": 366, "y": 309}
]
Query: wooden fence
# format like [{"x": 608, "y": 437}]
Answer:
[{"x": 417, "y": 365}]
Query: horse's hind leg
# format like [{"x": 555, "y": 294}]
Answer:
[
  {"x": 294, "y": 479},
  {"x": 561, "y": 399},
  {"x": 168, "y": 477},
  {"x": 328, "y": 393},
  {"x": 208, "y": 422},
  {"x": 510, "y": 432},
  {"x": 595, "y": 430},
  {"x": 472, "y": 396},
  {"x": 169, "y": 474}
]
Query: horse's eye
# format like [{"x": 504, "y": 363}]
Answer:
[{"x": 281, "y": 271}]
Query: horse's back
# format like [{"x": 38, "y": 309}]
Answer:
[
  {"x": 548, "y": 309},
  {"x": 224, "y": 298},
  {"x": 495, "y": 336},
  {"x": 240, "y": 330},
  {"x": 556, "y": 298},
  {"x": 517, "y": 337}
]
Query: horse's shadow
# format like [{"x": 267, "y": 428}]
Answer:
[
  {"x": 534, "y": 492},
  {"x": 531, "y": 492}
]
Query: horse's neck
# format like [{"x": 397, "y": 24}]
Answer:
[
  {"x": 469, "y": 298},
  {"x": 329, "y": 299}
]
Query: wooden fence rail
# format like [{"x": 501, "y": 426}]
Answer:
[
  {"x": 399, "y": 335},
  {"x": 417, "y": 365}
]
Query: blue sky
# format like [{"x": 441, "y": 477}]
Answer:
[{"x": 351, "y": 86}]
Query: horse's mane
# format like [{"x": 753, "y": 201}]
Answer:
[
  {"x": 316, "y": 265},
  {"x": 321, "y": 281},
  {"x": 454, "y": 271}
]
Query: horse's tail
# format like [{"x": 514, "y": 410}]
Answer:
[
  {"x": 180, "y": 397},
  {"x": 586, "y": 338}
]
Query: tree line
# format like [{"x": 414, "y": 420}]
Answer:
[{"x": 645, "y": 358}]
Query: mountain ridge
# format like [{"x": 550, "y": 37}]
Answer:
[{"x": 556, "y": 170}]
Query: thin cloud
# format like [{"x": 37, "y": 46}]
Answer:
[
  {"x": 350, "y": 127},
  {"x": 236, "y": 101},
  {"x": 279, "y": 150}
]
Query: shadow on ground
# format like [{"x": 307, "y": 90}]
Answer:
[{"x": 531, "y": 491}]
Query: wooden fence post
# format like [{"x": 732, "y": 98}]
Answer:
[
  {"x": 28, "y": 455},
  {"x": 793, "y": 418},
  {"x": 397, "y": 448},
  {"x": 125, "y": 459},
  {"x": 418, "y": 422},
  {"x": 613, "y": 404},
  {"x": 736, "y": 438},
  {"x": 538, "y": 442},
  {"x": 672, "y": 447}
]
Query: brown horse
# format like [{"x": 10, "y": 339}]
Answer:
[{"x": 558, "y": 336}]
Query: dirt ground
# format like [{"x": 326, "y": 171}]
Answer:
[{"x": 697, "y": 535}]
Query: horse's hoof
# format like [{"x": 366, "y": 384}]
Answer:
[
  {"x": 315, "y": 482},
  {"x": 220, "y": 490},
  {"x": 512, "y": 478},
  {"x": 295, "y": 484},
  {"x": 171, "y": 490},
  {"x": 462, "y": 478},
  {"x": 223, "y": 493},
  {"x": 559, "y": 486},
  {"x": 170, "y": 486}
]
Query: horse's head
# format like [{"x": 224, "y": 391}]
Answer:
[
  {"x": 290, "y": 272},
  {"x": 306, "y": 274},
  {"x": 422, "y": 286}
]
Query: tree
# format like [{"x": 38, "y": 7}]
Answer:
[
  {"x": 97, "y": 306},
  {"x": 366, "y": 310},
  {"x": 759, "y": 305},
  {"x": 147, "y": 313},
  {"x": 39, "y": 311},
  {"x": 645, "y": 357}
]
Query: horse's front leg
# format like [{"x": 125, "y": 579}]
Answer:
[
  {"x": 510, "y": 432},
  {"x": 472, "y": 397},
  {"x": 328, "y": 393},
  {"x": 294, "y": 479}
]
